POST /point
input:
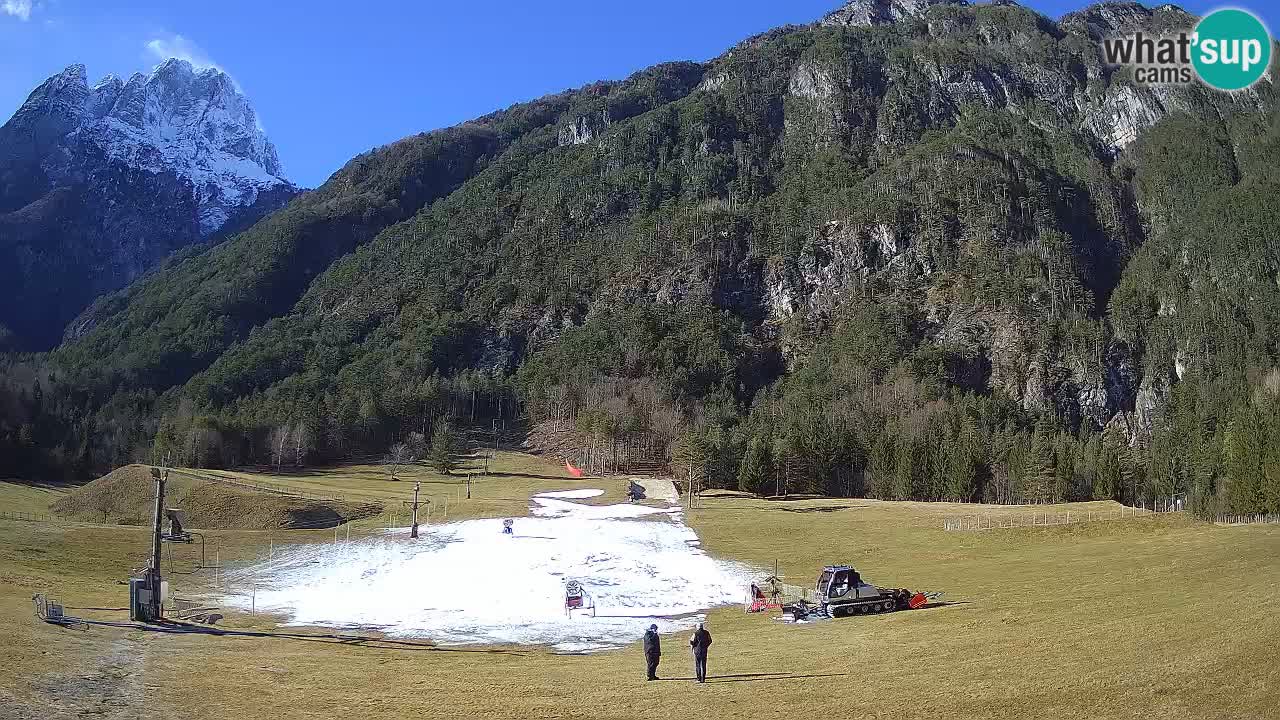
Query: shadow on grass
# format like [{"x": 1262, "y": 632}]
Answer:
[
  {"x": 927, "y": 606},
  {"x": 533, "y": 476},
  {"x": 943, "y": 603},
  {"x": 825, "y": 509},
  {"x": 456, "y": 478},
  {"x": 43, "y": 485},
  {"x": 794, "y": 498},
  {"x": 754, "y": 677},
  {"x": 780, "y": 507},
  {"x": 779, "y": 500},
  {"x": 768, "y": 676},
  {"x": 364, "y": 641}
]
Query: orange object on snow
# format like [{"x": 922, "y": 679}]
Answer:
[
  {"x": 917, "y": 601},
  {"x": 572, "y": 470}
]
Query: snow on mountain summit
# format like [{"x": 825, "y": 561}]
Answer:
[{"x": 194, "y": 123}]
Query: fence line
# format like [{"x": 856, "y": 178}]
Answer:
[
  {"x": 27, "y": 516},
  {"x": 1255, "y": 519},
  {"x": 260, "y": 487},
  {"x": 1044, "y": 519},
  {"x": 57, "y": 520}
]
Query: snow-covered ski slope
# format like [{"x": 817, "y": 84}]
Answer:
[{"x": 468, "y": 583}]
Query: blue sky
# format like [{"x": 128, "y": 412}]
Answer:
[{"x": 332, "y": 79}]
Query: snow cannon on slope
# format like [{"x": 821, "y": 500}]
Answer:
[
  {"x": 577, "y": 598},
  {"x": 771, "y": 594},
  {"x": 841, "y": 591},
  {"x": 761, "y": 597}
]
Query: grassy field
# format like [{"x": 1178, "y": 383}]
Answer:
[
  {"x": 1147, "y": 618},
  {"x": 126, "y": 496},
  {"x": 511, "y": 478},
  {"x": 17, "y": 497}
]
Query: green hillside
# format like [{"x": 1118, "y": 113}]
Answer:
[{"x": 949, "y": 257}]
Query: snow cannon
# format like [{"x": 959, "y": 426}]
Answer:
[
  {"x": 757, "y": 601},
  {"x": 577, "y": 598},
  {"x": 770, "y": 594}
]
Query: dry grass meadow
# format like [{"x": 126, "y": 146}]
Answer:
[{"x": 1157, "y": 617}]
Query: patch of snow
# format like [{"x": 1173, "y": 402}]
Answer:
[
  {"x": 468, "y": 583},
  {"x": 551, "y": 507},
  {"x": 658, "y": 489},
  {"x": 571, "y": 494}
]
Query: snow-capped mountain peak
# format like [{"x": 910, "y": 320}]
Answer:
[{"x": 194, "y": 123}]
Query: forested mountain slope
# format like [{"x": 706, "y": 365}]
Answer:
[{"x": 916, "y": 249}]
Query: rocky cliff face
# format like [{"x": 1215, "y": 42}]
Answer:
[
  {"x": 867, "y": 13},
  {"x": 99, "y": 183},
  {"x": 831, "y": 104}
]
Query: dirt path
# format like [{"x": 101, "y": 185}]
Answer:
[{"x": 108, "y": 686}]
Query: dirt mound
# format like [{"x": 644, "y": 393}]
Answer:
[{"x": 125, "y": 496}]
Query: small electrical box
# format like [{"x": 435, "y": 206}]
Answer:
[{"x": 139, "y": 600}]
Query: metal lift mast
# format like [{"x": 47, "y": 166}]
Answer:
[{"x": 154, "y": 580}]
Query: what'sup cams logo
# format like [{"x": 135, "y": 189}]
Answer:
[{"x": 1229, "y": 49}]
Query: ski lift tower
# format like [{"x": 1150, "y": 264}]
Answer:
[
  {"x": 145, "y": 593},
  {"x": 413, "y": 530}
]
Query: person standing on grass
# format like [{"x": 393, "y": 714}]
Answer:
[
  {"x": 652, "y": 651},
  {"x": 700, "y": 642}
]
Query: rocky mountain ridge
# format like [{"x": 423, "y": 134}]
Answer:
[
  {"x": 868, "y": 13},
  {"x": 195, "y": 124},
  {"x": 99, "y": 183}
]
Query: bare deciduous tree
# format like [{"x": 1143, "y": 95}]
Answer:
[
  {"x": 302, "y": 443},
  {"x": 417, "y": 443},
  {"x": 397, "y": 455},
  {"x": 279, "y": 443},
  {"x": 105, "y": 503}
]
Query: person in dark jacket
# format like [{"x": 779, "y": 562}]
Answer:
[
  {"x": 700, "y": 643},
  {"x": 652, "y": 651}
]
